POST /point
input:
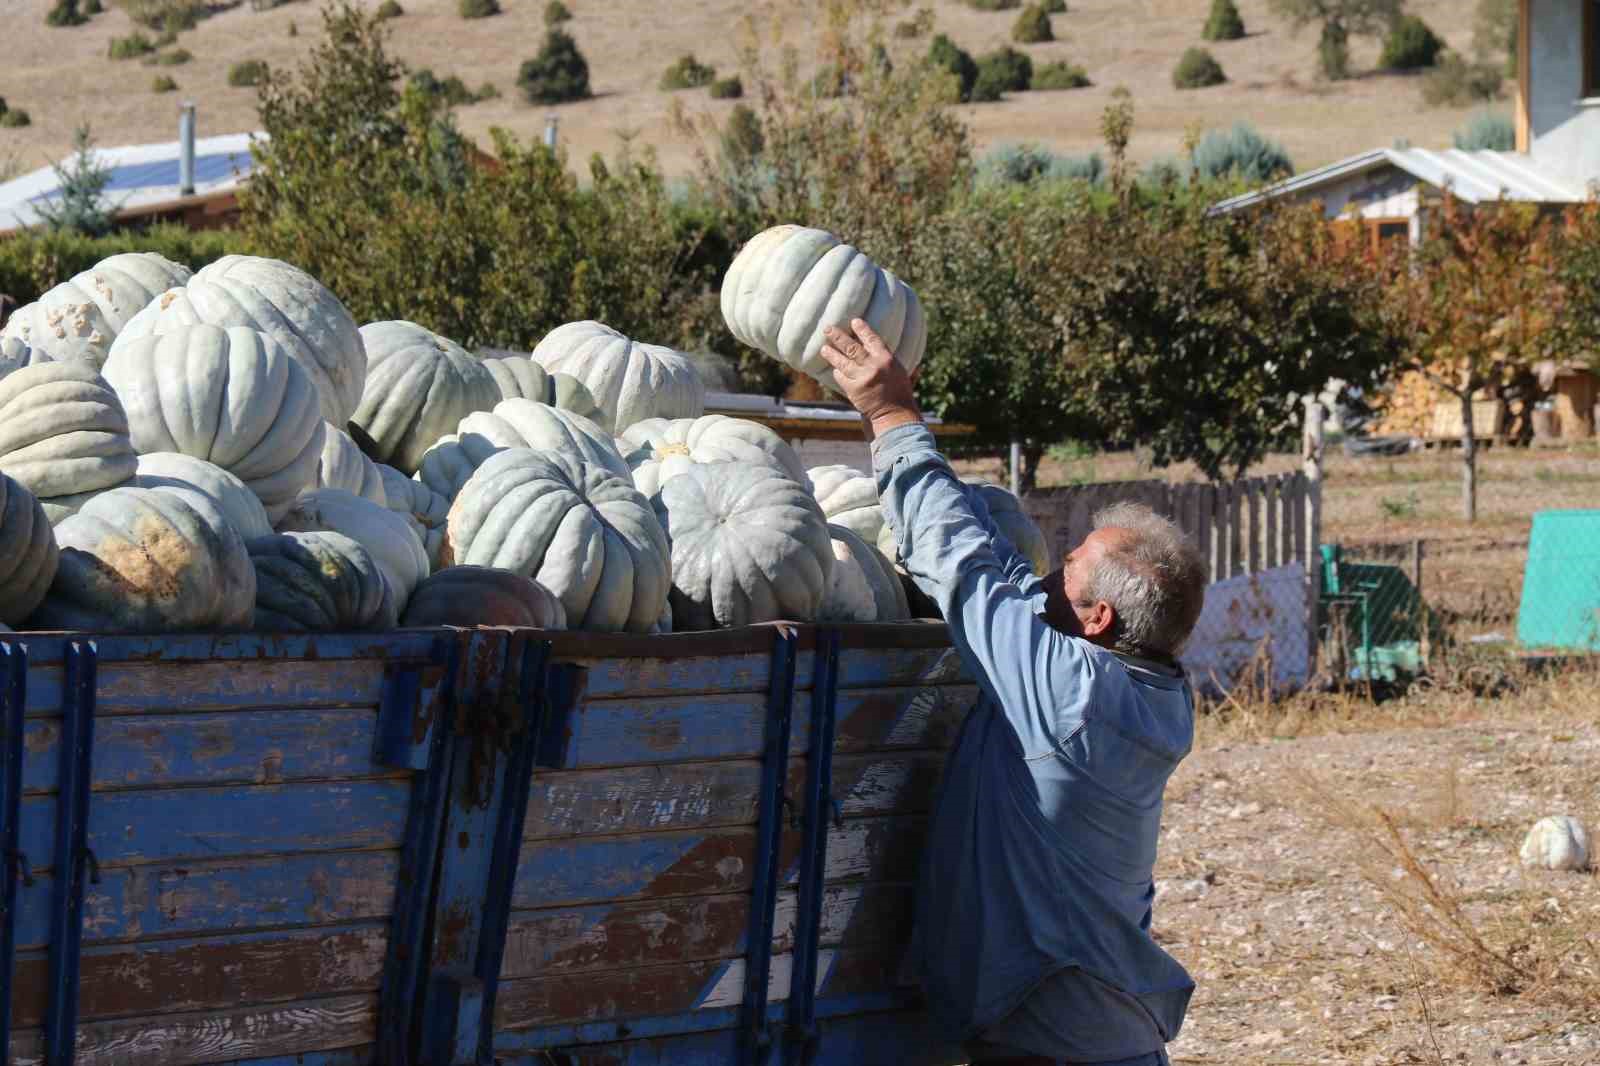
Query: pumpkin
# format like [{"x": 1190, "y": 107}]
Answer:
[
  {"x": 849, "y": 498},
  {"x": 232, "y": 397},
  {"x": 658, "y": 449},
  {"x": 343, "y": 465},
  {"x": 386, "y": 535},
  {"x": 81, "y": 317},
  {"x": 282, "y": 301},
  {"x": 419, "y": 387},
  {"x": 1005, "y": 510},
  {"x": 483, "y": 596},
  {"x": 144, "y": 561},
  {"x": 748, "y": 545},
  {"x": 318, "y": 581},
  {"x": 516, "y": 424},
  {"x": 14, "y": 355},
  {"x": 206, "y": 487},
  {"x": 1559, "y": 842},
  {"x": 579, "y": 529},
  {"x": 63, "y": 434},
  {"x": 790, "y": 282},
  {"x": 423, "y": 508},
  {"x": 520, "y": 378},
  {"x": 863, "y": 586},
  {"x": 28, "y": 552},
  {"x": 630, "y": 381}
]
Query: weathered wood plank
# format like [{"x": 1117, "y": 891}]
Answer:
[
  {"x": 597, "y": 869},
  {"x": 1270, "y": 533},
  {"x": 642, "y": 676},
  {"x": 251, "y": 747},
  {"x": 891, "y": 719},
  {"x": 145, "y": 688},
  {"x": 210, "y": 973},
  {"x": 872, "y": 849},
  {"x": 214, "y": 1037},
  {"x": 1254, "y": 538},
  {"x": 228, "y": 895},
  {"x": 161, "y": 825}
]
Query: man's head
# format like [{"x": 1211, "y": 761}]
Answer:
[{"x": 1135, "y": 585}]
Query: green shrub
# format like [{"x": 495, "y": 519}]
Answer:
[
  {"x": 294, "y": 28},
  {"x": 555, "y": 13},
  {"x": 727, "y": 88},
  {"x": 1241, "y": 153},
  {"x": 1060, "y": 75},
  {"x": 741, "y": 137},
  {"x": 1411, "y": 45},
  {"x": 173, "y": 16},
  {"x": 945, "y": 54},
  {"x": 1005, "y": 70},
  {"x": 1197, "y": 69},
  {"x": 918, "y": 25},
  {"x": 1487, "y": 130},
  {"x": 1032, "y": 26},
  {"x": 1224, "y": 23},
  {"x": 163, "y": 83},
  {"x": 14, "y": 118},
  {"x": 559, "y": 72},
  {"x": 478, "y": 9},
  {"x": 247, "y": 72},
  {"x": 65, "y": 13},
  {"x": 1023, "y": 164},
  {"x": 132, "y": 46},
  {"x": 687, "y": 73},
  {"x": 487, "y": 91},
  {"x": 995, "y": 5},
  {"x": 33, "y": 261},
  {"x": 1455, "y": 82},
  {"x": 829, "y": 82},
  {"x": 177, "y": 57},
  {"x": 1164, "y": 172},
  {"x": 93, "y": 7},
  {"x": 1054, "y": 7},
  {"x": 390, "y": 9},
  {"x": 1333, "y": 52}
]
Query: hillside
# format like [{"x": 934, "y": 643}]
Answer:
[{"x": 62, "y": 76}]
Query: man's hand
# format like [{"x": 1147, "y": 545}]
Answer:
[{"x": 871, "y": 378}]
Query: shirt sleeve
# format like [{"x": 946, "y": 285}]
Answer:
[{"x": 1033, "y": 672}]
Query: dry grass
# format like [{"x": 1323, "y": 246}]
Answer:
[{"x": 62, "y": 77}]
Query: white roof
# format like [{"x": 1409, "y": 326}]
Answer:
[
  {"x": 1475, "y": 177},
  {"x": 142, "y": 176}
]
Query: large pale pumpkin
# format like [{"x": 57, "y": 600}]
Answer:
[
  {"x": 419, "y": 387},
  {"x": 1005, "y": 510},
  {"x": 519, "y": 377},
  {"x": 343, "y": 465},
  {"x": 425, "y": 509},
  {"x": 863, "y": 586},
  {"x": 579, "y": 529},
  {"x": 143, "y": 561},
  {"x": 82, "y": 316},
  {"x": 789, "y": 283},
  {"x": 630, "y": 381},
  {"x": 483, "y": 596},
  {"x": 748, "y": 546},
  {"x": 319, "y": 581},
  {"x": 15, "y": 354},
  {"x": 386, "y": 535},
  {"x": 849, "y": 498},
  {"x": 516, "y": 424},
  {"x": 28, "y": 552},
  {"x": 63, "y": 434},
  {"x": 282, "y": 301},
  {"x": 232, "y": 397},
  {"x": 206, "y": 487},
  {"x": 658, "y": 449}
]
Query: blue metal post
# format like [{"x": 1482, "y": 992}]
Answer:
[
  {"x": 13, "y": 697},
  {"x": 72, "y": 855},
  {"x": 814, "y": 849}
]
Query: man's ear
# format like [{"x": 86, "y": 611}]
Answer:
[{"x": 1101, "y": 618}]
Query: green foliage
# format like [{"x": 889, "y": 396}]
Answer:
[
  {"x": 1054, "y": 7},
  {"x": 132, "y": 46},
  {"x": 34, "y": 261},
  {"x": 1060, "y": 75},
  {"x": 559, "y": 72},
  {"x": 995, "y": 5},
  {"x": 555, "y": 13},
  {"x": 918, "y": 25},
  {"x": 1494, "y": 33},
  {"x": 247, "y": 72},
  {"x": 742, "y": 139},
  {"x": 478, "y": 9},
  {"x": 93, "y": 7},
  {"x": 687, "y": 72},
  {"x": 177, "y": 57},
  {"x": 170, "y": 16},
  {"x": 80, "y": 205},
  {"x": 1005, "y": 70},
  {"x": 1197, "y": 69},
  {"x": 730, "y": 88},
  {"x": 1333, "y": 52},
  {"x": 1241, "y": 153},
  {"x": 163, "y": 83},
  {"x": 15, "y": 118},
  {"x": 1024, "y": 164},
  {"x": 65, "y": 13},
  {"x": 1487, "y": 130},
  {"x": 450, "y": 91},
  {"x": 1411, "y": 45},
  {"x": 944, "y": 54},
  {"x": 390, "y": 9},
  {"x": 1339, "y": 21},
  {"x": 1032, "y": 26},
  {"x": 1224, "y": 22},
  {"x": 1455, "y": 82}
]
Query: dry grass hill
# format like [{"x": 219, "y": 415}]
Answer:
[{"x": 63, "y": 76}]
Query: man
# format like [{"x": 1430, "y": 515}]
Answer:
[{"x": 1033, "y": 912}]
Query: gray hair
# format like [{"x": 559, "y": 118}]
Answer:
[{"x": 1154, "y": 579}]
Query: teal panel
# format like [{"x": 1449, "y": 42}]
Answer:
[{"x": 1561, "y": 582}]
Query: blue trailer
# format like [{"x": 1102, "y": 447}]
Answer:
[{"x": 452, "y": 847}]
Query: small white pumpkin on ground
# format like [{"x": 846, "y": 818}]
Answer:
[
  {"x": 483, "y": 596},
  {"x": 425, "y": 509},
  {"x": 658, "y": 449},
  {"x": 81, "y": 317},
  {"x": 791, "y": 282},
  {"x": 419, "y": 387},
  {"x": 579, "y": 529},
  {"x": 516, "y": 424},
  {"x": 748, "y": 546},
  {"x": 630, "y": 381},
  {"x": 1559, "y": 842},
  {"x": 144, "y": 561},
  {"x": 28, "y": 554},
  {"x": 343, "y": 465},
  {"x": 386, "y": 535},
  {"x": 863, "y": 586},
  {"x": 323, "y": 582},
  {"x": 206, "y": 487},
  {"x": 63, "y": 434}
]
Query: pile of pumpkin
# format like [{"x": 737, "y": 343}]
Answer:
[{"x": 227, "y": 450}]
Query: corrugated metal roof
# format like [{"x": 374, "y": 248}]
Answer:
[
  {"x": 1475, "y": 177},
  {"x": 142, "y": 176}
]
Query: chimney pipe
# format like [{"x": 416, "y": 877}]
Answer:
[
  {"x": 550, "y": 122},
  {"x": 186, "y": 150}
]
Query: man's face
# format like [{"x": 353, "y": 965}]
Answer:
[{"x": 1067, "y": 603}]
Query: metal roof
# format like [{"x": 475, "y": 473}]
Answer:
[
  {"x": 1475, "y": 177},
  {"x": 143, "y": 176}
]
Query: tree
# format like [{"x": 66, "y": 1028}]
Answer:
[
  {"x": 1224, "y": 23},
  {"x": 1339, "y": 20},
  {"x": 558, "y": 74},
  {"x": 81, "y": 207}
]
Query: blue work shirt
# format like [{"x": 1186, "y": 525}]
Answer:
[{"x": 1039, "y": 864}]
